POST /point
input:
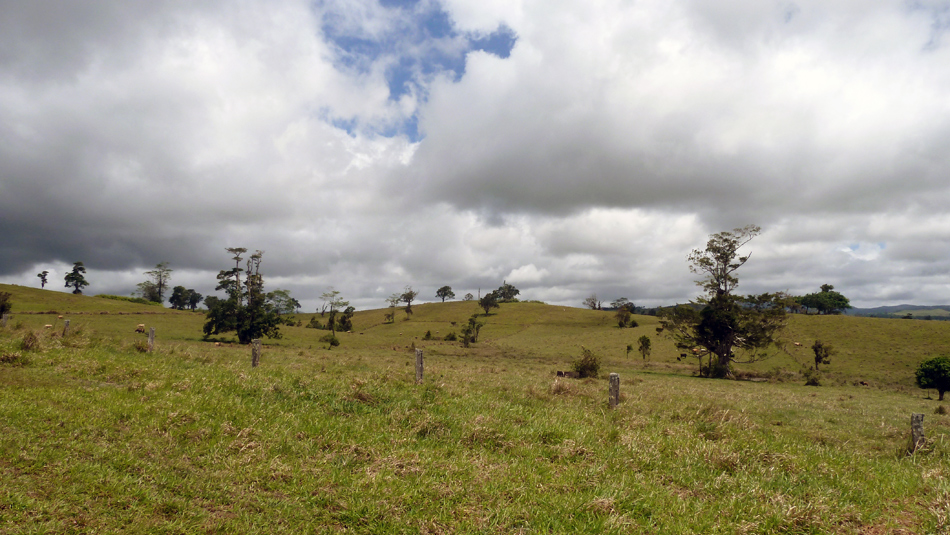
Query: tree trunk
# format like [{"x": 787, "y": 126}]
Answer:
[{"x": 941, "y": 395}]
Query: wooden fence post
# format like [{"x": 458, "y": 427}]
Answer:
[
  {"x": 614, "y": 390},
  {"x": 65, "y": 328},
  {"x": 418, "y": 366},
  {"x": 5, "y": 318},
  {"x": 151, "y": 338},
  {"x": 917, "y": 438},
  {"x": 256, "y": 353}
]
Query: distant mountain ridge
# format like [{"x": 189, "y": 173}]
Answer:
[{"x": 936, "y": 311}]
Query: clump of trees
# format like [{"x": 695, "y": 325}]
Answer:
[
  {"x": 154, "y": 288},
  {"x": 934, "y": 373},
  {"x": 624, "y": 313},
  {"x": 185, "y": 298},
  {"x": 827, "y": 301},
  {"x": 246, "y": 310},
  {"x": 76, "y": 278},
  {"x": 727, "y": 327}
]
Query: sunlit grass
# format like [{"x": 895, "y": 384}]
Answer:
[{"x": 96, "y": 436}]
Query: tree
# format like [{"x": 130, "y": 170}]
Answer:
[
  {"x": 42, "y": 275},
  {"x": 645, "y": 346},
  {"x": 393, "y": 301},
  {"x": 470, "y": 331},
  {"x": 623, "y": 302},
  {"x": 158, "y": 281},
  {"x": 445, "y": 292},
  {"x": 592, "y": 302},
  {"x": 489, "y": 301},
  {"x": 823, "y": 353},
  {"x": 282, "y": 301},
  {"x": 623, "y": 317},
  {"x": 76, "y": 279},
  {"x": 328, "y": 297},
  {"x": 194, "y": 299},
  {"x": 468, "y": 297},
  {"x": 827, "y": 301},
  {"x": 246, "y": 310},
  {"x": 506, "y": 293},
  {"x": 935, "y": 373},
  {"x": 725, "y": 324},
  {"x": 408, "y": 296},
  {"x": 345, "y": 323}
]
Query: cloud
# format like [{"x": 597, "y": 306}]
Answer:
[{"x": 575, "y": 148}]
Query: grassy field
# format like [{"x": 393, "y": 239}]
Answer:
[{"x": 98, "y": 437}]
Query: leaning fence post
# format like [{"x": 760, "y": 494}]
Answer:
[
  {"x": 614, "y": 389},
  {"x": 65, "y": 328},
  {"x": 419, "y": 366},
  {"x": 256, "y": 353},
  {"x": 151, "y": 338},
  {"x": 917, "y": 438}
]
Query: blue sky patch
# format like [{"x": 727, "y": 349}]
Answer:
[{"x": 416, "y": 42}]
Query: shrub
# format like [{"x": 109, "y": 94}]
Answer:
[
  {"x": 451, "y": 337},
  {"x": 30, "y": 342},
  {"x": 141, "y": 346},
  {"x": 314, "y": 323},
  {"x": 331, "y": 340},
  {"x": 428, "y": 335},
  {"x": 935, "y": 373},
  {"x": 812, "y": 377},
  {"x": 588, "y": 365},
  {"x": 14, "y": 359},
  {"x": 5, "y": 304}
]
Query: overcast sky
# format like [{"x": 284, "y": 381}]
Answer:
[{"x": 568, "y": 147}]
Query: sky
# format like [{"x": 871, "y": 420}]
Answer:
[{"x": 567, "y": 147}]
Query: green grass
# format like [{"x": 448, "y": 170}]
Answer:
[{"x": 96, "y": 436}]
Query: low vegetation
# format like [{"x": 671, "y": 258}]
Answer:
[{"x": 188, "y": 438}]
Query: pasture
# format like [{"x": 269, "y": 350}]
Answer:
[{"x": 99, "y": 437}]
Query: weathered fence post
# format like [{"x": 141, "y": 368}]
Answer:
[
  {"x": 614, "y": 389},
  {"x": 5, "y": 318},
  {"x": 917, "y": 438},
  {"x": 418, "y": 366},
  {"x": 65, "y": 328},
  {"x": 256, "y": 353},
  {"x": 151, "y": 338}
]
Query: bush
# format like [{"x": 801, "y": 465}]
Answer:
[
  {"x": 812, "y": 377},
  {"x": 330, "y": 339},
  {"x": 314, "y": 323},
  {"x": 14, "y": 359},
  {"x": 588, "y": 365},
  {"x": 5, "y": 304},
  {"x": 30, "y": 342},
  {"x": 451, "y": 337},
  {"x": 428, "y": 335}
]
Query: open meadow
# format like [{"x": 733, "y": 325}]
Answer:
[{"x": 98, "y": 436}]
